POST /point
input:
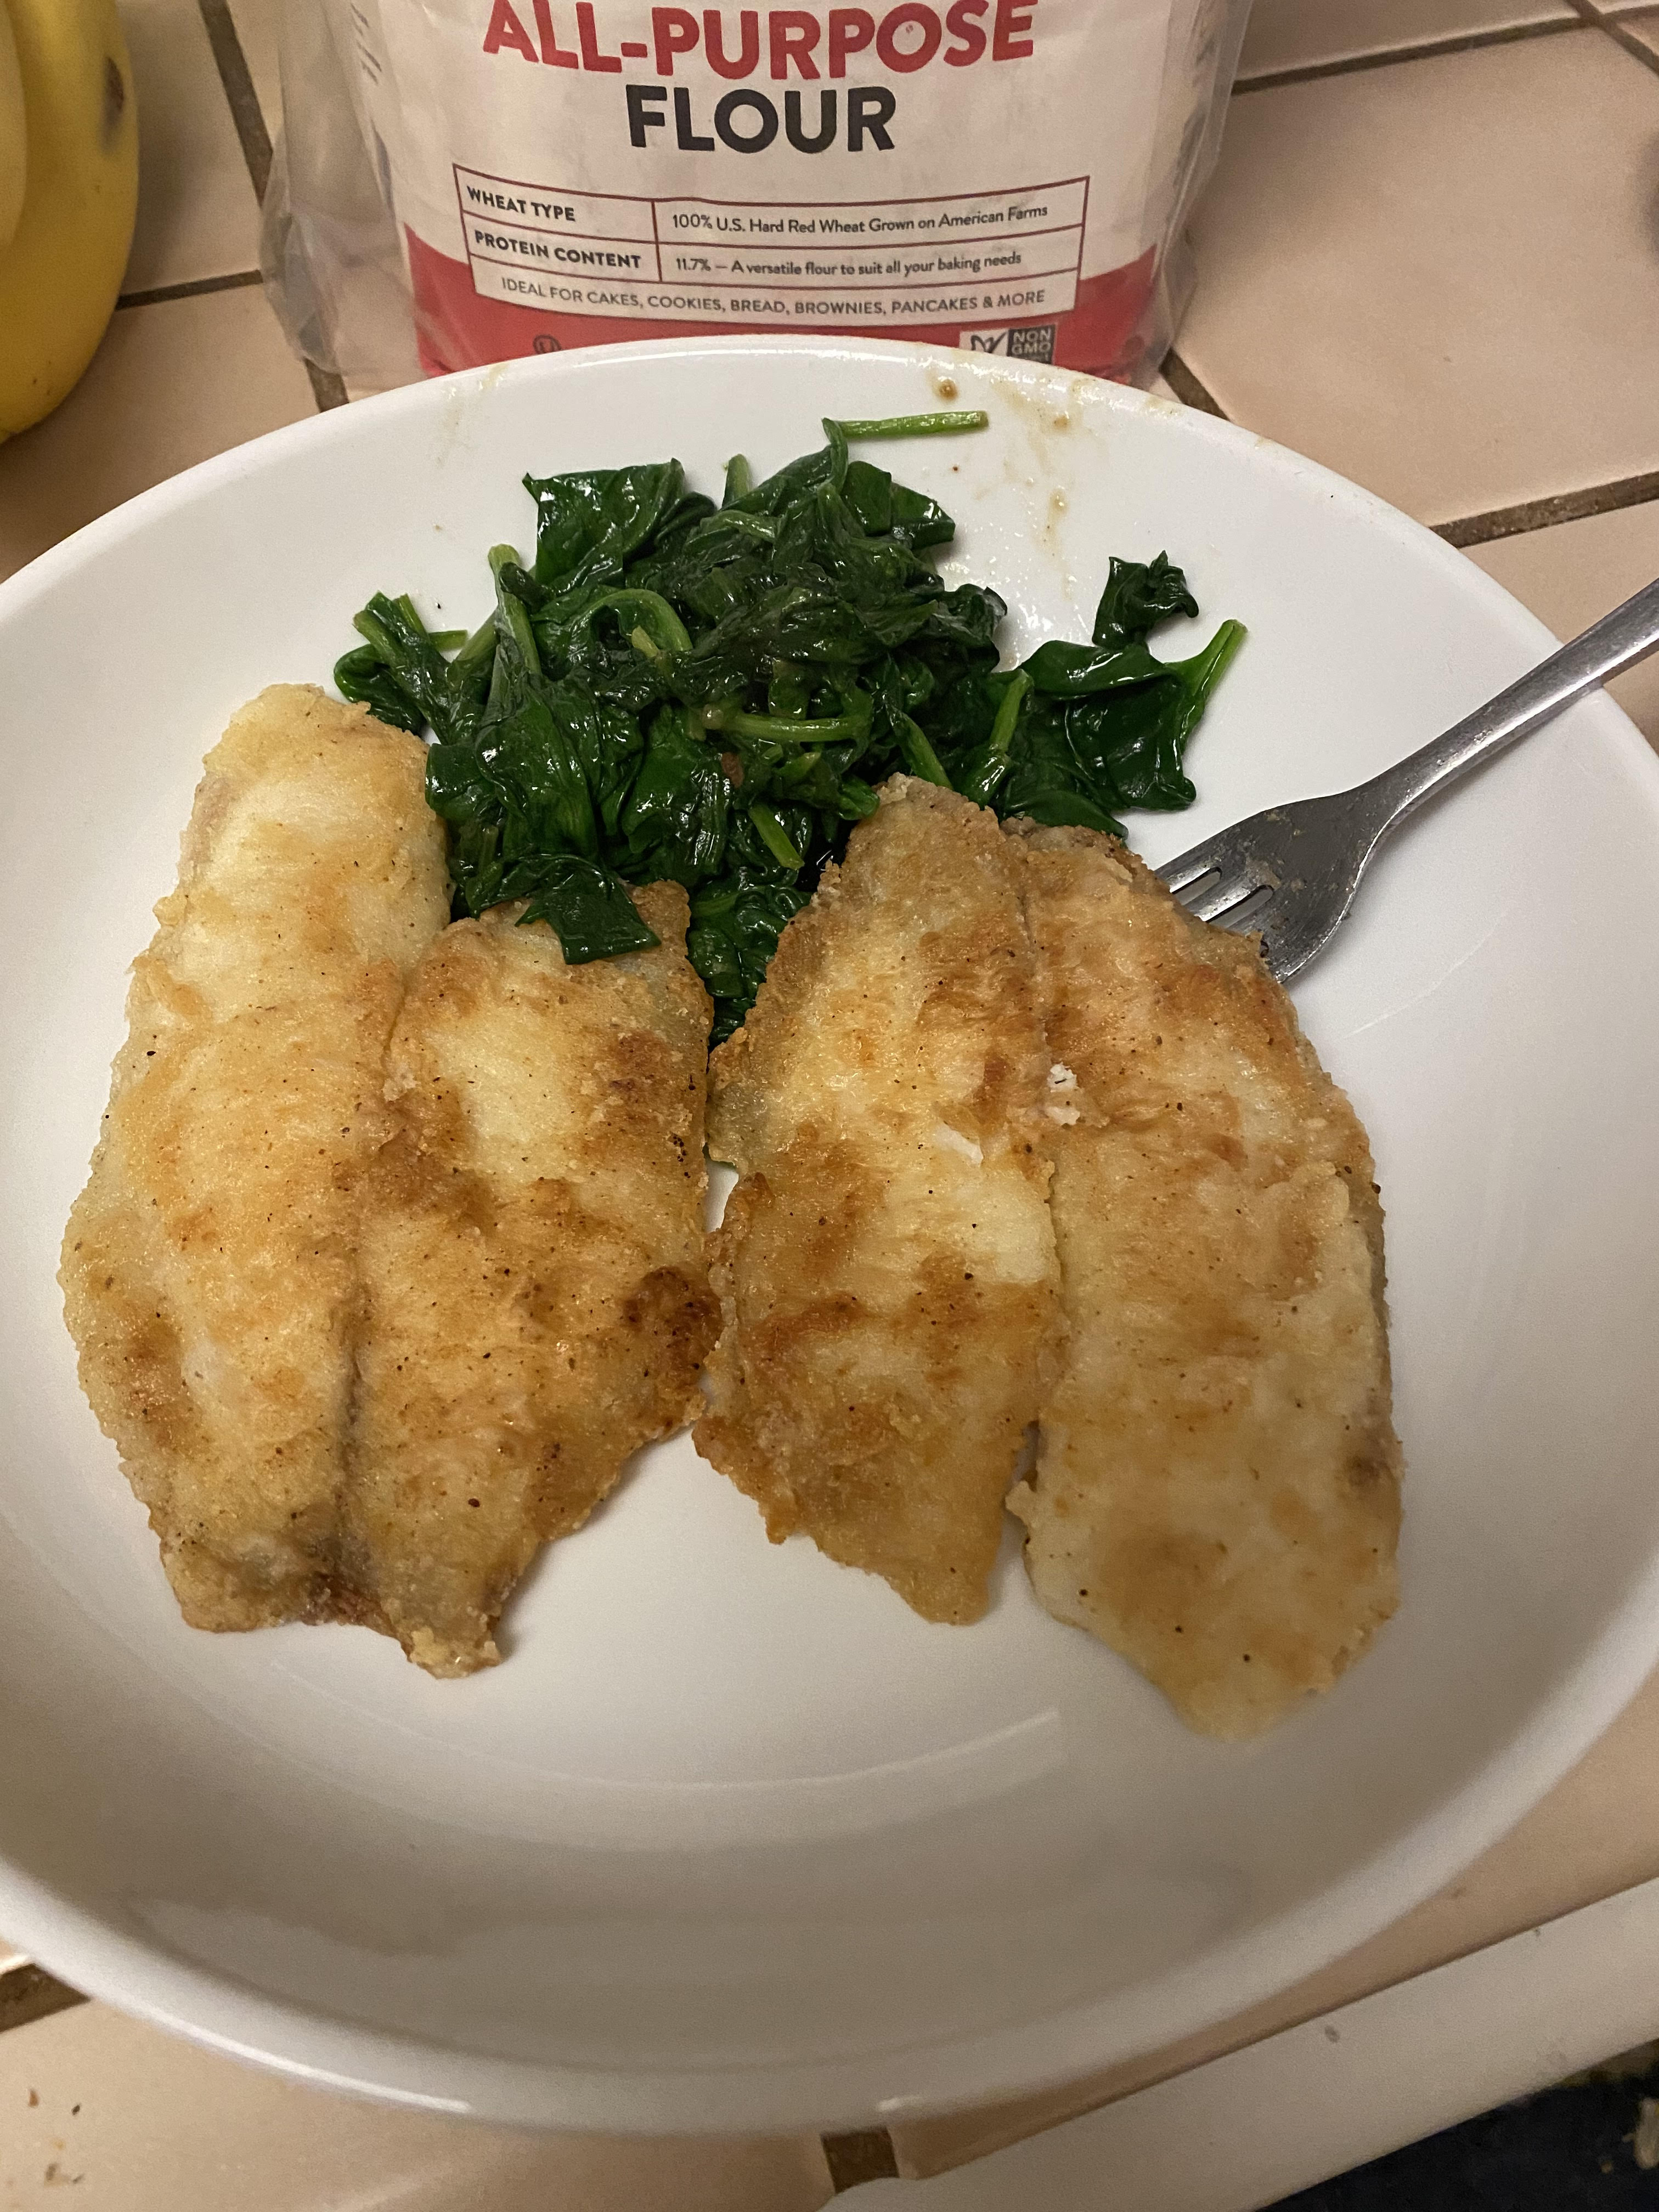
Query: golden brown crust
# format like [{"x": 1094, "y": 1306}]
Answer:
[
  {"x": 537, "y": 1304},
  {"x": 209, "y": 1269},
  {"x": 885, "y": 1268},
  {"x": 1217, "y": 1490}
]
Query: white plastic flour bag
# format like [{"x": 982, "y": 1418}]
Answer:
[{"x": 502, "y": 177}]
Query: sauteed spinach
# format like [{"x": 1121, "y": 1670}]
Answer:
[{"x": 675, "y": 688}]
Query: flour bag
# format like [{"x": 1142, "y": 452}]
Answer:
[{"x": 462, "y": 181}]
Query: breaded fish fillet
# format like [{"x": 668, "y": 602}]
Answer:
[
  {"x": 1217, "y": 1490},
  {"x": 537, "y": 1304},
  {"x": 886, "y": 1267},
  {"x": 209, "y": 1268}
]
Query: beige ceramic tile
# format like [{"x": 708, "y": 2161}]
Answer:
[
  {"x": 256, "y": 24},
  {"x": 170, "y": 385},
  {"x": 1576, "y": 571},
  {"x": 197, "y": 215},
  {"x": 1284, "y": 34},
  {"x": 1442, "y": 277},
  {"x": 137, "y": 2122}
]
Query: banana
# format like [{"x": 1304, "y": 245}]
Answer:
[
  {"x": 14, "y": 136},
  {"x": 69, "y": 159}
]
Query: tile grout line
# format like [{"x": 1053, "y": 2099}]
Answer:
[
  {"x": 198, "y": 288},
  {"x": 327, "y": 389},
  {"x": 238, "y": 81},
  {"x": 1188, "y": 389},
  {"x": 1616, "y": 31},
  {"x": 1544, "y": 513},
  {"x": 866, "y": 2155},
  {"x": 28, "y": 1993},
  {"x": 1464, "y": 43},
  {"x": 1631, "y": 45}
]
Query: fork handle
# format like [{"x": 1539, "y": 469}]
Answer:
[{"x": 1628, "y": 634}]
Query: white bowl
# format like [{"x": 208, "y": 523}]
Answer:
[{"x": 734, "y": 1841}]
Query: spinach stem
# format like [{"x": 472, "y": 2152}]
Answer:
[
  {"x": 773, "y": 835},
  {"x": 916, "y": 426},
  {"x": 1205, "y": 669},
  {"x": 511, "y": 608},
  {"x": 1002, "y": 730},
  {"x": 479, "y": 648},
  {"x": 652, "y": 613},
  {"x": 919, "y": 756},
  {"x": 372, "y": 628},
  {"x": 763, "y": 526},
  {"x": 788, "y": 729}
]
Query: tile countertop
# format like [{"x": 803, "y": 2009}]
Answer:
[{"x": 1493, "y": 376}]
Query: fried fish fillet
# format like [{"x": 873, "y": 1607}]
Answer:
[
  {"x": 537, "y": 1302},
  {"x": 1217, "y": 1491},
  {"x": 209, "y": 1269},
  {"x": 886, "y": 1266}
]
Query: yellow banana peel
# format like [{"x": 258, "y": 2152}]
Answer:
[
  {"x": 69, "y": 190},
  {"x": 14, "y": 136}
]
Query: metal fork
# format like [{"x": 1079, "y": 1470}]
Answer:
[{"x": 1291, "y": 871}]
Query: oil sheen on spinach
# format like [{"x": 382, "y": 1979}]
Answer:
[{"x": 712, "y": 692}]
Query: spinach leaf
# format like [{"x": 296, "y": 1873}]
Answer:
[
  {"x": 401, "y": 668},
  {"x": 1139, "y": 595},
  {"x": 676, "y": 815},
  {"x": 1080, "y": 672},
  {"x": 363, "y": 676},
  {"x": 1133, "y": 744},
  {"x": 604, "y": 514},
  {"x": 735, "y": 928},
  {"x": 589, "y": 907}
]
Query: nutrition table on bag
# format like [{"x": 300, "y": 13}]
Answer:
[{"x": 893, "y": 262}]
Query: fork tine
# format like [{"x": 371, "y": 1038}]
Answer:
[
  {"x": 1214, "y": 854},
  {"x": 1251, "y": 913},
  {"x": 1212, "y": 878},
  {"x": 1216, "y": 902}
]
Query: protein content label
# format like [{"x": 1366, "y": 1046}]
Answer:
[{"x": 899, "y": 261}]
